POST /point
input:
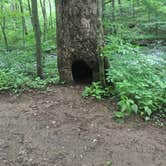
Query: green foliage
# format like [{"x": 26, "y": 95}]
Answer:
[
  {"x": 17, "y": 71},
  {"x": 140, "y": 82},
  {"x": 96, "y": 91},
  {"x": 109, "y": 163},
  {"x": 116, "y": 45},
  {"x": 136, "y": 19},
  {"x": 127, "y": 106},
  {"x": 48, "y": 46},
  {"x": 18, "y": 66}
]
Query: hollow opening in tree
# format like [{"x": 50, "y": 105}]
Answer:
[{"x": 82, "y": 73}]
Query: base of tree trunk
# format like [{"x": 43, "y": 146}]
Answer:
[{"x": 79, "y": 70}]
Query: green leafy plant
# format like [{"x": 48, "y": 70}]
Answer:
[
  {"x": 127, "y": 107},
  {"x": 17, "y": 72},
  {"x": 139, "y": 82},
  {"x": 109, "y": 163},
  {"x": 97, "y": 91}
]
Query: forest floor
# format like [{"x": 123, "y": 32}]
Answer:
[{"x": 60, "y": 128}]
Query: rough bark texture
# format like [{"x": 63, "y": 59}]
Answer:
[{"x": 77, "y": 28}]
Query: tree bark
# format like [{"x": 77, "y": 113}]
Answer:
[
  {"x": 3, "y": 28},
  {"x": 77, "y": 36},
  {"x": 50, "y": 19},
  {"x": 5, "y": 37},
  {"x": 23, "y": 18},
  {"x": 30, "y": 11},
  {"x": 101, "y": 44},
  {"x": 24, "y": 27},
  {"x": 36, "y": 27},
  {"x": 43, "y": 7}
]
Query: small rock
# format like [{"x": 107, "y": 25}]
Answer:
[
  {"x": 53, "y": 122},
  {"x": 95, "y": 140}
]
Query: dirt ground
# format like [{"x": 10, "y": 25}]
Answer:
[{"x": 60, "y": 128}]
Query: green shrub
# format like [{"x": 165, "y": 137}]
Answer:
[
  {"x": 18, "y": 71},
  {"x": 96, "y": 91},
  {"x": 140, "y": 83}
]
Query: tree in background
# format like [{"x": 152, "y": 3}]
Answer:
[
  {"x": 24, "y": 27},
  {"x": 3, "y": 25},
  {"x": 43, "y": 7},
  {"x": 36, "y": 27}
]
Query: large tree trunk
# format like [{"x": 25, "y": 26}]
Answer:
[{"x": 77, "y": 39}]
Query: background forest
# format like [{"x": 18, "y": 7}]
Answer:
[{"x": 135, "y": 43}]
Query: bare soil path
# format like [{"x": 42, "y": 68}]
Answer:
[{"x": 59, "y": 128}]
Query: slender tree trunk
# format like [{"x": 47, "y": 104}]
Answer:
[
  {"x": 101, "y": 44},
  {"x": 12, "y": 8},
  {"x": 3, "y": 28},
  {"x": 50, "y": 19},
  {"x": 113, "y": 10},
  {"x": 36, "y": 27},
  {"x": 43, "y": 7},
  {"x": 24, "y": 27},
  {"x": 113, "y": 28},
  {"x": 30, "y": 11},
  {"x": 103, "y": 8},
  {"x": 55, "y": 3},
  {"x": 133, "y": 8},
  {"x": 16, "y": 5},
  {"x": 23, "y": 18},
  {"x": 120, "y": 7},
  {"x": 4, "y": 37}
]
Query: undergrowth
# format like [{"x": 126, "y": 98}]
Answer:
[
  {"x": 18, "y": 71},
  {"x": 139, "y": 82}
]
